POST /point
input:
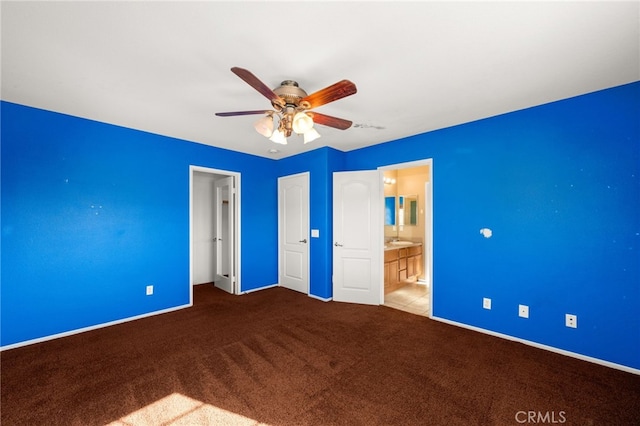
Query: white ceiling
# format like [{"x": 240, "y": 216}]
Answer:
[{"x": 164, "y": 67}]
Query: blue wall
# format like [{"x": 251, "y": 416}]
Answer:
[
  {"x": 559, "y": 185},
  {"x": 92, "y": 213},
  {"x": 320, "y": 164}
]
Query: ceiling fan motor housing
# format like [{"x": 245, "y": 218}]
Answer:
[{"x": 291, "y": 92}]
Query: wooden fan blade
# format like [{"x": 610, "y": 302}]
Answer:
[
  {"x": 327, "y": 120},
  {"x": 254, "y": 82},
  {"x": 332, "y": 93},
  {"x": 231, "y": 114}
]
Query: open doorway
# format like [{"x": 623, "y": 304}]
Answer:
[
  {"x": 408, "y": 236},
  {"x": 214, "y": 229}
]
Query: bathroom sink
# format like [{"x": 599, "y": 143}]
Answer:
[{"x": 401, "y": 243}]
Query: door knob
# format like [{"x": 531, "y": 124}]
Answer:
[
  {"x": 303, "y": 241},
  {"x": 338, "y": 245}
]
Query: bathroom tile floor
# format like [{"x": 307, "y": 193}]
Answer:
[{"x": 413, "y": 298}]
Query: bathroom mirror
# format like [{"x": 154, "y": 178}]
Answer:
[
  {"x": 408, "y": 210},
  {"x": 389, "y": 211}
]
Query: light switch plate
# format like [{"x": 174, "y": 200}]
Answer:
[{"x": 315, "y": 233}]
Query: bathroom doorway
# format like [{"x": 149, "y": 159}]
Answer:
[{"x": 408, "y": 236}]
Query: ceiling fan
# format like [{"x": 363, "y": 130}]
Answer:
[{"x": 291, "y": 106}]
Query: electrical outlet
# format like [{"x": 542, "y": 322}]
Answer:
[
  {"x": 523, "y": 311},
  {"x": 571, "y": 320},
  {"x": 149, "y": 290},
  {"x": 486, "y": 303}
]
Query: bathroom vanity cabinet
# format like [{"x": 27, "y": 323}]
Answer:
[
  {"x": 414, "y": 261},
  {"x": 401, "y": 264}
]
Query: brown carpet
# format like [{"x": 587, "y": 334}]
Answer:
[{"x": 278, "y": 357}]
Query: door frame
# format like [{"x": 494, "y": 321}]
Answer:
[
  {"x": 236, "y": 231},
  {"x": 428, "y": 222},
  {"x": 306, "y": 174},
  {"x": 204, "y": 195}
]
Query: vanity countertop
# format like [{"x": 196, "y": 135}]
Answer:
[{"x": 391, "y": 246}]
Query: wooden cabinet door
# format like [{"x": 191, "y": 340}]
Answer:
[
  {"x": 411, "y": 269},
  {"x": 387, "y": 278},
  {"x": 393, "y": 273}
]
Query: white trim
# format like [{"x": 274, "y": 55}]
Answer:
[
  {"x": 238, "y": 227},
  {"x": 91, "y": 328},
  {"x": 323, "y": 299},
  {"x": 407, "y": 165},
  {"x": 428, "y": 230},
  {"x": 260, "y": 288},
  {"x": 541, "y": 346}
]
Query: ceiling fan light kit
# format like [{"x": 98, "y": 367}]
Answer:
[
  {"x": 302, "y": 123},
  {"x": 278, "y": 137},
  {"x": 264, "y": 126},
  {"x": 311, "y": 135},
  {"x": 290, "y": 105}
]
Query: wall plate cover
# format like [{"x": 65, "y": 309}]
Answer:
[
  {"x": 571, "y": 320},
  {"x": 523, "y": 311}
]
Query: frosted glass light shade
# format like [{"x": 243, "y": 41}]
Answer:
[
  {"x": 302, "y": 123},
  {"x": 311, "y": 135},
  {"x": 278, "y": 137},
  {"x": 264, "y": 126}
]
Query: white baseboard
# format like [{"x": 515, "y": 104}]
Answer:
[
  {"x": 259, "y": 288},
  {"x": 541, "y": 346},
  {"x": 93, "y": 327},
  {"x": 324, "y": 299}
]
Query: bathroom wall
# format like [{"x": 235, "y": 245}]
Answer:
[
  {"x": 411, "y": 182},
  {"x": 391, "y": 190},
  {"x": 407, "y": 181}
]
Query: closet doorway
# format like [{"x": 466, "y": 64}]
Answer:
[{"x": 214, "y": 228}]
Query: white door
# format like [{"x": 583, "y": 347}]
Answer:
[
  {"x": 358, "y": 240},
  {"x": 293, "y": 232},
  {"x": 203, "y": 228},
  {"x": 224, "y": 238}
]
